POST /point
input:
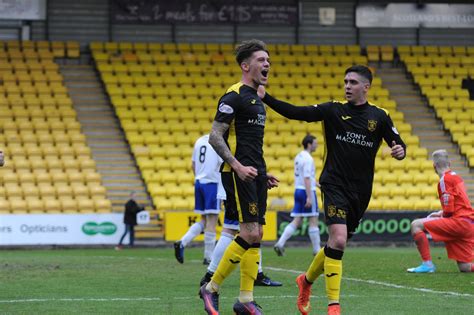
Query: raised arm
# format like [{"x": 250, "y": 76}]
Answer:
[
  {"x": 216, "y": 140},
  {"x": 305, "y": 113}
]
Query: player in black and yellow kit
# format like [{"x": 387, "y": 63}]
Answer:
[
  {"x": 237, "y": 136},
  {"x": 353, "y": 132}
]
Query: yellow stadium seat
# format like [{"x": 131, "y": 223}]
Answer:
[
  {"x": 68, "y": 205},
  {"x": 69, "y": 163},
  {"x": 85, "y": 205},
  {"x": 4, "y": 206},
  {"x": 182, "y": 204},
  {"x": 58, "y": 176},
  {"x": 413, "y": 191},
  {"x": 72, "y": 49},
  {"x": 422, "y": 204},
  {"x": 405, "y": 204},
  {"x": 375, "y": 204},
  {"x": 51, "y": 205},
  {"x": 75, "y": 177},
  {"x": 63, "y": 190},
  {"x": 18, "y": 205},
  {"x": 397, "y": 192},
  {"x": 46, "y": 190},
  {"x": 92, "y": 177},
  {"x": 80, "y": 191},
  {"x": 13, "y": 191},
  {"x": 30, "y": 190},
  {"x": 35, "y": 205},
  {"x": 87, "y": 164},
  {"x": 96, "y": 191},
  {"x": 382, "y": 191},
  {"x": 102, "y": 205},
  {"x": 390, "y": 204},
  {"x": 429, "y": 192}
]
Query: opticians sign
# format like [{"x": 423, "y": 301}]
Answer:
[
  {"x": 406, "y": 15},
  {"x": 61, "y": 229}
]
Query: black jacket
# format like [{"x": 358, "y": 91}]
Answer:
[{"x": 131, "y": 210}]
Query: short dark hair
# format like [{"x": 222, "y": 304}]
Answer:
[
  {"x": 247, "y": 48},
  {"x": 308, "y": 139},
  {"x": 362, "y": 71}
]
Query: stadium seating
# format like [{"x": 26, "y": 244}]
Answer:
[
  {"x": 439, "y": 71},
  {"x": 166, "y": 94},
  {"x": 49, "y": 167}
]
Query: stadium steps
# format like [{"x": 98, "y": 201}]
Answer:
[
  {"x": 422, "y": 118},
  {"x": 105, "y": 137}
]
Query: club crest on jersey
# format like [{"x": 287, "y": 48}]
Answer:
[
  {"x": 253, "y": 209},
  {"x": 226, "y": 109},
  {"x": 372, "y": 125}
]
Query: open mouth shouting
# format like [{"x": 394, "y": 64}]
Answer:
[{"x": 264, "y": 74}]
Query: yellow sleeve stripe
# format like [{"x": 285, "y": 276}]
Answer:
[
  {"x": 340, "y": 102},
  {"x": 235, "y": 88}
]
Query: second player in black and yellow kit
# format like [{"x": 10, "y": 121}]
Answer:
[
  {"x": 243, "y": 110},
  {"x": 353, "y": 135},
  {"x": 353, "y": 132}
]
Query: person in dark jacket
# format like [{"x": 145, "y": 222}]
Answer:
[{"x": 130, "y": 219}]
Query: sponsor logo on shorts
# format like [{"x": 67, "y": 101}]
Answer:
[
  {"x": 253, "y": 209},
  {"x": 341, "y": 213}
]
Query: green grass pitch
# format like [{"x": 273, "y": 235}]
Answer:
[{"x": 150, "y": 281}]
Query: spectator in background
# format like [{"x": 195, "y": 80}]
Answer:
[
  {"x": 453, "y": 225},
  {"x": 130, "y": 219}
]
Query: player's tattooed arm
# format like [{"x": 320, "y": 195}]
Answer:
[{"x": 216, "y": 140}]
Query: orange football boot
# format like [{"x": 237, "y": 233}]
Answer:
[{"x": 304, "y": 294}]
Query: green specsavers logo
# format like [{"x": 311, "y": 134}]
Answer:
[{"x": 92, "y": 228}]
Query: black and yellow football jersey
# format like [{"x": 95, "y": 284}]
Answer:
[
  {"x": 353, "y": 135},
  {"x": 243, "y": 110}
]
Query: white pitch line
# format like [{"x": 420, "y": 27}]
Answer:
[
  {"x": 178, "y": 298},
  {"x": 385, "y": 284},
  {"x": 373, "y": 282},
  {"x": 80, "y": 300}
]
